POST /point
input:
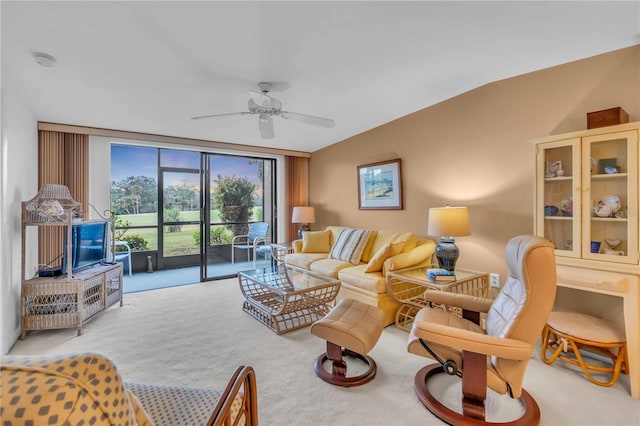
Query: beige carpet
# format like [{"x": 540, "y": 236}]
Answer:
[{"x": 197, "y": 334}]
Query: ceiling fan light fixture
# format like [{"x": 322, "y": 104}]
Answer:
[
  {"x": 265, "y": 87},
  {"x": 265, "y": 124},
  {"x": 266, "y": 107}
]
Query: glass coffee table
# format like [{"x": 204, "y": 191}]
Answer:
[{"x": 285, "y": 298}]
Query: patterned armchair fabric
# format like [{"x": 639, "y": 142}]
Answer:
[
  {"x": 86, "y": 389},
  {"x": 189, "y": 406},
  {"x": 59, "y": 390}
]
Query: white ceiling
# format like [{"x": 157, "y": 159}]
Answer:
[{"x": 149, "y": 66}]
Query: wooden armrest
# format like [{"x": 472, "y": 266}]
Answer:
[{"x": 242, "y": 382}]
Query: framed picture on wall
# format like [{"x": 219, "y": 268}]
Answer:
[{"x": 380, "y": 186}]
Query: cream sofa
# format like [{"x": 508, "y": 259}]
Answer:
[{"x": 363, "y": 276}]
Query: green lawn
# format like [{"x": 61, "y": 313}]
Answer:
[
  {"x": 152, "y": 218},
  {"x": 175, "y": 243}
]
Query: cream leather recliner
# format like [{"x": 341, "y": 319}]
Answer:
[{"x": 496, "y": 356}]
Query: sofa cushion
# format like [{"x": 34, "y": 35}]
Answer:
[
  {"x": 367, "y": 253},
  {"x": 329, "y": 267},
  {"x": 355, "y": 276},
  {"x": 349, "y": 245},
  {"x": 303, "y": 260},
  {"x": 385, "y": 237},
  {"x": 335, "y": 231},
  {"x": 388, "y": 250},
  {"x": 421, "y": 254},
  {"x": 316, "y": 241}
]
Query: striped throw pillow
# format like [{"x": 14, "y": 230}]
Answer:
[{"x": 349, "y": 245}]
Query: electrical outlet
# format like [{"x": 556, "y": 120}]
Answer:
[{"x": 494, "y": 280}]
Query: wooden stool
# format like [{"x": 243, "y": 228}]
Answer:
[
  {"x": 575, "y": 331},
  {"x": 356, "y": 327}
]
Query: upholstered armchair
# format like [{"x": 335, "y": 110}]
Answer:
[
  {"x": 496, "y": 355},
  {"x": 87, "y": 388}
]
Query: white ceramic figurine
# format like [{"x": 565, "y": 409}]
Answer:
[{"x": 608, "y": 206}]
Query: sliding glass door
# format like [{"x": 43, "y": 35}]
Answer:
[
  {"x": 178, "y": 208},
  {"x": 238, "y": 192}
]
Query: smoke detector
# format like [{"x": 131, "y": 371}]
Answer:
[{"x": 44, "y": 59}]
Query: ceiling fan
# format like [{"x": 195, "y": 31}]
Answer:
[{"x": 266, "y": 107}]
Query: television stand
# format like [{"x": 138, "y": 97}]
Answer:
[{"x": 70, "y": 301}]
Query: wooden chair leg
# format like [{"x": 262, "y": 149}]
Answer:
[
  {"x": 338, "y": 366},
  {"x": 557, "y": 342},
  {"x": 474, "y": 384}
]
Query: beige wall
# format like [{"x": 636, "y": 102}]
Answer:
[{"x": 473, "y": 150}]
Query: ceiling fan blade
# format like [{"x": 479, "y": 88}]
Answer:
[
  {"x": 219, "y": 115},
  {"x": 309, "y": 119},
  {"x": 265, "y": 100},
  {"x": 266, "y": 126}
]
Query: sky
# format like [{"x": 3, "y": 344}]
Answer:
[{"x": 129, "y": 160}]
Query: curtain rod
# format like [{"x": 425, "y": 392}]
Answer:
[{"x": 94, "y": 131}]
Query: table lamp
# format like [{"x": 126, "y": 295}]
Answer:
[
  {"x": 448, "y": 222},
  {"x": 304, "y": 216}
]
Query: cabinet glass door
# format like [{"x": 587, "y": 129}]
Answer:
[
  {"x": 558, "y": 168},
  {"x": 610, "y": 209}
]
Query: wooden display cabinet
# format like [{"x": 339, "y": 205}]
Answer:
[{"x": 586, "y": 204}]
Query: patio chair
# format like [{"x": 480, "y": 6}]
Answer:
[
  {"x": 257, "y": 235},
  {"x": 124, "y": 256}
]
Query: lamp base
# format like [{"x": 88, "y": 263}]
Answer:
[
  {"x": 303, "y": 227},
  {"x": 447, "y": 253}
]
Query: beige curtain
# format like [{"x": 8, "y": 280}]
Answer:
[
  {"x": 63, "y": 158},
  {"x": 297, "y": 189}
]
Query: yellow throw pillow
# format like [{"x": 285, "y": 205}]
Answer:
[
  {"x": 366, "y": 254},
  {"x": 386, "y": 251},
  {"x": 421, "y": 253},
  {"x": 316, "y": 241}
]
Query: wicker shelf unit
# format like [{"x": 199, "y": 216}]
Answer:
[{"x": 69, "y": 300}]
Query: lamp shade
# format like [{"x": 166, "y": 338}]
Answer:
[
  {"x": 303, "y": 215},
  {"x": 449, "y": 221}
]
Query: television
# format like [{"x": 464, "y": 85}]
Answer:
[{"x": 89, "y": 245}]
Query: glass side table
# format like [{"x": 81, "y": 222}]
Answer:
[
  {"x": 280, "y": 250},
  {"x": 407, "y": 286}
]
